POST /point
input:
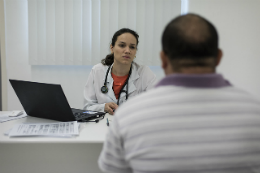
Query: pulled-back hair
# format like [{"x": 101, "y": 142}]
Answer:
[
  {"x": 190, "y": 37},
  {"x": 109, "y": 60}
]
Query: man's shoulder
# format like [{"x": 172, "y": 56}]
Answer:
[
  {"x": 145, "y": 99},
  {"x": 240, "y": 93},
  {"x": 161, "y": 97}
]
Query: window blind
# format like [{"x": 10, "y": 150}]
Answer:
[{"x": 79, "y": 32}]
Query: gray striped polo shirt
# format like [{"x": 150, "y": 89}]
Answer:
[{"x": 188, "y": 123}]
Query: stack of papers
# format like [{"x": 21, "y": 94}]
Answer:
[{"x": 61, "y": 129}]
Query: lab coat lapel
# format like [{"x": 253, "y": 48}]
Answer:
[
  {"x": 110, "y": 81},
  {"x": 131, "y": 86}
]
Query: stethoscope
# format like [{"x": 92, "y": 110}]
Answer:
[{"x": 104, "y": 88}]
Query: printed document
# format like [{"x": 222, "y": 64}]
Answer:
[{"x": 61, "y": 129}]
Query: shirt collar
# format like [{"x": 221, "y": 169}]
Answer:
[
  {"x": 211, "y": 80},
  {"x": 134, "y": 75}
]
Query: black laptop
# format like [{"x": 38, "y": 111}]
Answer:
[{"x": 49, "y": 101}]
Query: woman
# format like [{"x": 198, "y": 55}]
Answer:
[{"x": 117, "y": 77}]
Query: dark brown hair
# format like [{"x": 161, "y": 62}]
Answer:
[
  {"x": 109, "y": 60},
  {"x": 190, "y": 38}
]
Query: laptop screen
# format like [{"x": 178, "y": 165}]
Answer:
[{"x": 43, "y": 100}]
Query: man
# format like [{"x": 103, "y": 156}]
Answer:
[{"x": 193, "y": 120}]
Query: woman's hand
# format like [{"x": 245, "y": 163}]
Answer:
[{"x": 109, "y": 107}]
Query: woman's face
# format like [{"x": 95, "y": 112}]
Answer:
[{"x": 124, "y": 49}]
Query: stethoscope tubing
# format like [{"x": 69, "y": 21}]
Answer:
[{"x": 104, "y": 88}]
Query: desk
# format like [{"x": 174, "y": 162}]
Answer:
[{"x": 49, "y": 154}]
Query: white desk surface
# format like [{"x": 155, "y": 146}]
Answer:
[{"x": 89, "y": 132}]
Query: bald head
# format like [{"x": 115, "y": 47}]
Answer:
[
  {"x": 190, "y": 40},
  {"x": 192, "y": 28}
]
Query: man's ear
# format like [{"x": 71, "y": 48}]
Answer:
[
  {"x": 111, "y": 48},
  {"x": 164, "y": 60},
  {"x": 220, "y": 54},
  {"x": 166, "y": 63}
]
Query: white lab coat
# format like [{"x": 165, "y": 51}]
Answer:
[{"x": 141, "y": 79}]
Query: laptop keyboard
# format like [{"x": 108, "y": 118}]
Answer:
[{"x": 80, "y": 116}]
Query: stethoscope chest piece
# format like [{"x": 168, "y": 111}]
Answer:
[{"x": 104, "y": 89}]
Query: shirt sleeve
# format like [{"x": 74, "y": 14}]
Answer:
[
  {"x": 112, "y": 157},
  {"x": 90, "y": 99}
]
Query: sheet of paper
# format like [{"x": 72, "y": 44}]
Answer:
[
  {"x": 5, "y": 116},
  {"x": 62, "y": 129}
]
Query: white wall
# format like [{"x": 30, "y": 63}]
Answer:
[
  {"x": 16, "y": 46},
  {"x": 236, "y": 20},
  {"x": 72, "y": 78},
  {"x": 238, "y": 25},
  {"x": 3, "y": 59}
]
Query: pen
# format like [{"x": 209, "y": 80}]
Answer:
[{"x": 107, "y": 122}]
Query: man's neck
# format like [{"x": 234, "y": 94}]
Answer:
[
  {"x": 197, "y": 70},
  {"x": 120, "y": 70},
  {"x": 191, "y": 70}
]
